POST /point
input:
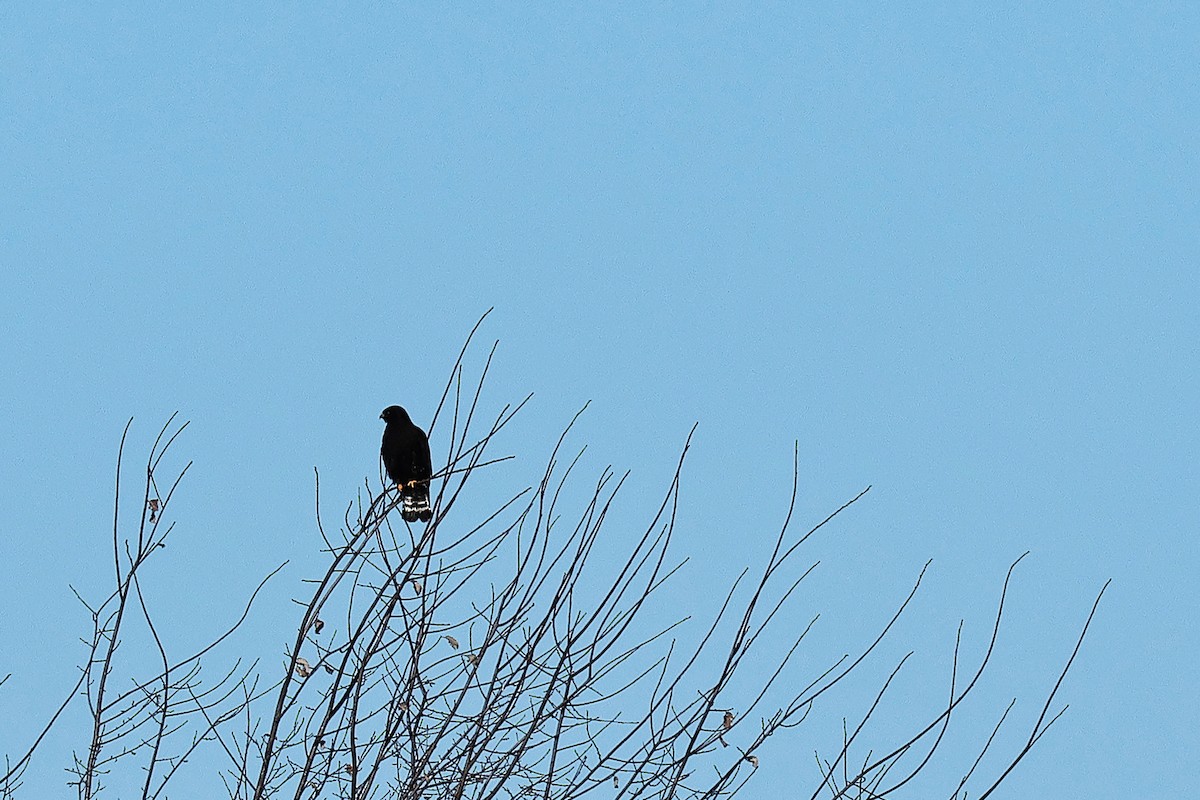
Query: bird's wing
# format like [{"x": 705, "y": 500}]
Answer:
[{"x": 425, "y": 461}]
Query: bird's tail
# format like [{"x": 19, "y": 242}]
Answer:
[{"x": 416, "y": 503}]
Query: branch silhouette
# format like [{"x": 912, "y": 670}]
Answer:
[{"x": 495, "y": 653}]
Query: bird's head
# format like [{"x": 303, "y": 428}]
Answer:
[{"x": 394, "y": 414}]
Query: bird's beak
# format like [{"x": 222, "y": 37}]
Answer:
[{"x": 381, "y": 416}]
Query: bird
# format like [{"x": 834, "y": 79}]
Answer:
[{"x": 405, "y": 452}]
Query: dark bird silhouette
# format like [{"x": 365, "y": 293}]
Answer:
[{"x": 405, "y": 454}]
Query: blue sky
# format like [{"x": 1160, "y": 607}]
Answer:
[{"x": 953, "y": 250}]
